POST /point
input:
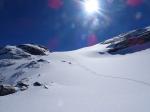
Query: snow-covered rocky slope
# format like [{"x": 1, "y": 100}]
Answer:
[{"x": 112, "y": 76}]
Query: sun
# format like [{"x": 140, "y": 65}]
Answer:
[{"x": 91, "y": 6}]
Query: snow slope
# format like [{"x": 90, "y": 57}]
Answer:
[{"x": 79, "y": 81}]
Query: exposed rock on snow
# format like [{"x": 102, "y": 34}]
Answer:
[
  {"x": 12, "y": 52},
  {"x": 43, "y": 61},
  {"x": 7, "y": 89},
  {"x": 37, "y": 84},
  {"x": 33, "y": 49},
  {"x": 130, "y": 42},
  {"x": 22, "y": 51},
  {"x": 22, "y": 84},
  {"x": 32, "y": 64},
  {"x": 40, "y": 84},
  {"x": 16, "y": 77},
  {"x": 13, "y": 56}
]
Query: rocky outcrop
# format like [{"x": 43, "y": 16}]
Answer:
[
  {"x": 33, "y": 49},
  {"x": 130, "y": 42},
  {"x": 22, "y": 51},
  {"x": 7, "y": 89},
  {"x": 40, "y": 84},
  {"x": 22, "y": 85},
  {"x": 12, "y": 52}
]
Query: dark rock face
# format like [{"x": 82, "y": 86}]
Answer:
[
  {"x": 32, "y": 49},
  {"x": 6, "y": 90},
  {"x": 129, "y": 42}
]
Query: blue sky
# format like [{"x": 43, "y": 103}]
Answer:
[{"x": 64, "y": 25}]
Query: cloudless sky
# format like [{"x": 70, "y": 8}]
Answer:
[{"x": 64, "y": 25}]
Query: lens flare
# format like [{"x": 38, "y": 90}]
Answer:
[
  {"x": 94, "y": 15},
  {"x": 91, "y": 6}
]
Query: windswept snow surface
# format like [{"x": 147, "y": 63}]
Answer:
[{"x": 82, "y": 81}]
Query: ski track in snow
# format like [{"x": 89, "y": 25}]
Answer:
[{"x": 107, "y": 76}]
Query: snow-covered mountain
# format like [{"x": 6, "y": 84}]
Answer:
[
  {"x": 130, "y": 42},
  {"x": 112, "y": 76}
]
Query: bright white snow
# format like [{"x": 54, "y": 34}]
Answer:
[{"x": 83, "y": 81}]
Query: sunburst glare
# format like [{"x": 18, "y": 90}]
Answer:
[{"x": 91, "y": 6}]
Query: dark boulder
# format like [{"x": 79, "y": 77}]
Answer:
[
  {"x": 7, "y": 89},
  {"x": 40, "y": 84},
  {"x": 37, "y": 84}
]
